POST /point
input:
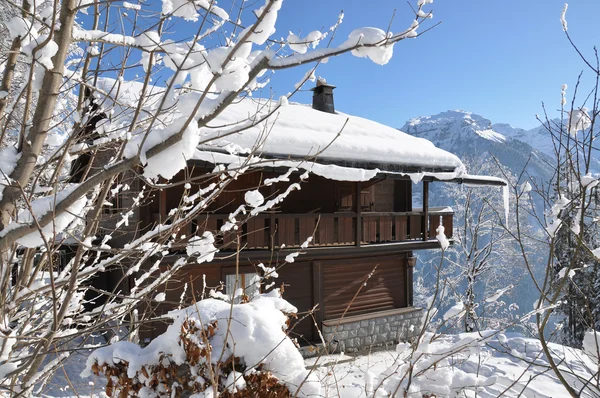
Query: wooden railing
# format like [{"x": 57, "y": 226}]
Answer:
[{"x": 267, "y": 231}]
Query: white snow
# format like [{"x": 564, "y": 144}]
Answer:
[
  {"x": 508, "y": 362},
  {"x": 497, "y": 294},
  {"x": 203, "y": 247},
  {"x": 525, "y": 187},
  {"x": 188, "y": 9},
  {"x": 302, "y": 45},
  {"x": 254, "y": 198},
  {"x": 563, "y": 19},
  {"x": 44, "y": 54},
  {"x": 454, "y": 311},
  {"x": 19, "y": 27},
  {"x": 476, "y": 370},
  {"x": 257, "y": 337},
  {"x": 591, "y": 345},
  {"x": 131, "y": 6},
  {"x": 8, "y": 160},
  {"x": 266, "y": 27},
  {"x": 41, "y": 207},
  {"x": 491, "y": 135},
  {"x": 563, "y": 272},
  {"x": 441, "y": 237},
  {"x": 96, "y": 35},
  {"x": 294, "y": 131},
  {"x": 148, "y": 40},
  {"x": 380, "y": 54},
  {"x": 173, "y": 159},
  {"x": 579, "y": 119},
  {"x": 553, "y": 226},
  {"x": 300, "y": 132}
]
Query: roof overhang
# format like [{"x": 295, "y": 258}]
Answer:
[
  {"x": 384, "y": 168},
  {"x": 381, "y": 170},
  {"x": 479, "y": 181}
]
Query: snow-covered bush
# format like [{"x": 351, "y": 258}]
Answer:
[{"x": 212, "y": 348}]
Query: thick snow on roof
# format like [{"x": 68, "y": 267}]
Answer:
[
  {"x": 298, "y": 131},
  {"x": 272, "y": 130}
]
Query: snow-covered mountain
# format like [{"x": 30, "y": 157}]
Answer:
[
  {"x": 473, "y": 137},
  {"x": 475, "y": 140},
  {"x": 538, "y": 138}
]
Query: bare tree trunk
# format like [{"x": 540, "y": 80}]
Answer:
[
  {"x": 32, "y": 145},
  {"x": 470, "y": 317}
]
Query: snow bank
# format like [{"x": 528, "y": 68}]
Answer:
[{"x": 433, "y": 364}]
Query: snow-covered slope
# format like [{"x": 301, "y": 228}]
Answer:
[
  {"x": 472, "y": 136},
  {"x": 538, "y": 137}
]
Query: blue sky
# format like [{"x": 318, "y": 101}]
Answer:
[{"x": 497, "y": 58}]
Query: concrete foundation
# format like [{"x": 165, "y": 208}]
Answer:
[{"x": 365, "y": 332}]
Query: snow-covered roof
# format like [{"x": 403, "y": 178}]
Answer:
[
  {"x": 276, "y": 134},
  {"x": 296, "y": 131}
]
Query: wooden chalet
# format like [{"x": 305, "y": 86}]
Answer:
[{"x": 357, "y": 204}]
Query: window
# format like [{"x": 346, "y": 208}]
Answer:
[{"x": 247, "y": 284}]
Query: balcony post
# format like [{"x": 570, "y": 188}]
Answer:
[
  {"x": 162, "y": 205},
  {"x": 425, "y": 222},
  {"x": 358, "y": 215}
]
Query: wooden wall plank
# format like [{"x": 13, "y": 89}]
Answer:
[
  {"x": 369, "y": 229},
  {"x": 447, "y": 222},
  {"x": 401, "y": 228},
  {"x": 256, "y": 233},
  {"x": 434, "y": 223},
  {"x": 385, "y": 229},
  {"x": 345, "y": 230},
  {"x": 383, "y": 291},
  {"x": 415, "y": 227}
]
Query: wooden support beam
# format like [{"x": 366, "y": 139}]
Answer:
[
  {"x": 425, "y": 223},
  {"x": 358, "y": 211},
  {"x": 318, "y": 294},
  {"x": 162, "y": 204}
]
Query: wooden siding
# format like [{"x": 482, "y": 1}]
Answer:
[
  {"x": 330, "y": 283},
  {"x": 384, "y": 290},
  {"x": 298, "y": 290}
]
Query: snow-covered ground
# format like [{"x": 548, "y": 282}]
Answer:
[{"x": 511, "y": 366}]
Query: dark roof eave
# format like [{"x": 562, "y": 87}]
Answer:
[{"x": 477, "y": 180}]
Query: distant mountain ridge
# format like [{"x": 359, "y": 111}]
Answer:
[{"x": 472, "y": 136}]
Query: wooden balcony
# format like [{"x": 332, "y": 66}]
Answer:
[{"x": 268, "y": 231}]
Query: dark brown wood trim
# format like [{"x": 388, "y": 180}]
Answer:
[
  {"x": 358, "y": 211},
  {"x": 409, "y": 286},
  {"x": 318, "y": 291},
  {"x": 318, "y": 253},
  {"x": 425, "y": 210}
]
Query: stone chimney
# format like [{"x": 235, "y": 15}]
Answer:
[{"x": 323, "y": 96}]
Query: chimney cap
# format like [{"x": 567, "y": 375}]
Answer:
[
  {"x": 323, "y": 96},
  {"x": 322, "y": 83}
]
